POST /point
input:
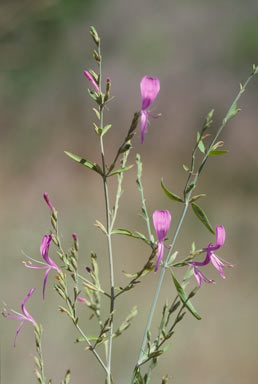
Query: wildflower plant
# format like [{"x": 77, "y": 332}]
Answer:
[{"x": 84, "y": 289}]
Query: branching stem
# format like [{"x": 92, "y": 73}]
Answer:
[
  {"x": 108, "y": 228},
  {"x": 186, "y": 204}
]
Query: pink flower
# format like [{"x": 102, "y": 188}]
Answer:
[
  {"x": 25, "y": 316},
  {"x": 150, "y": 87},
  {"x": 49, "y": 265},
  {"x": 211, "y": 257},
  {"x": 161, "y": 222},
  {"x": 91, "y": 80}
]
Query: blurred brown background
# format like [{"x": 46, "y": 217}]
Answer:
[{"x": 200, "y": 50}]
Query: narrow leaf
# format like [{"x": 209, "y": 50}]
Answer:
[
  {"x": 232, "y": 112},
  {"x": 121, "y": 231},
  {"x": 92, "y": 95},
  {"x": 118, "y": 171},
  {"x": 170, "y": 195},
  {"x": 184, "y": 297},
  {"x": 127, "y": 322},
  {"x": 97, "y": 113},
  {"x": 97, "y": 129},
  {"x": 194, "y": 198},
  {"x": 218, "y": 153},
  {"x": 202, "y": 217},
  {"x": 200, "y": 143},
  {"x": 84, "y": 162},
  {"x": 136, "y": 235},
  {"x": 101, "y": 227},
  {"x": 106, "y": 129}
]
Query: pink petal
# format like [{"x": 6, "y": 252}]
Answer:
[
  {"x": 159, "y": 255},
  {"x": 17, "y": 332},
  {"x": 46, "y": 197},
  {"x": 35, "y": 266},
  {"x": 144, "y": 123},
  {"x": 45, "y": 282},
  {"x": 44, "y": 247},
  {"x": 218, "y": 265},
  {"x": 150, "y": 87},
  {"x": 201, "y": 263},
  {"x": 220, "y": 236},
  {"x": 91, "y": 80},
  {"x": 23, "y": 308},
  {"x": 161, "y": 222},
  {"x": 201, "y": 277}
]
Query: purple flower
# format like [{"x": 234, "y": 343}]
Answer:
[
  {"x": 46, "y": 197},
  {"x": 91, "y": 80},
  {"x": 25, "y": 316},
  {"x": 150, "y": 87},
  {"x": 211, "y": 257},
  {"x": 161, "y": 222},
  {"x": 44, "y": 248}
]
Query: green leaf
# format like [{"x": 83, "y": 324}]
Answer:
[
  {"x": 118, "y": 171},
  {"x": 95, "y": 167},
  {"x": 93, "y": 95},
  {"x": 127, "y": 322},
  {"x": 185, "y": 168},
  {"x": 97, "y": 129},
  {"x": 172, "y": 258},
  {"x": 67, "y": 378},
  {"x": 184, "y": 297},
  {"x": 101, "y": 227},
  {"x": 97, "y": 113},
  {"x": 120, "y": 231},
  {"x": 194, "y": 198},
  {"x": 217, "y": 153},
  {"x": 126, "y": 232},
  {"x": 202, "y": 217},
  {"x": 200, "y": 143},
  {"x": 232, "y": 112},
  {"x": 106, "y": 129},
  {"x": 170, "y": 195}
]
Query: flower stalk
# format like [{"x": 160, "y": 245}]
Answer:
[{"x": 108, "y": 225}]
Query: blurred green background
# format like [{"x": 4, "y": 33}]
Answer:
[{"x": 200, "y": 50}]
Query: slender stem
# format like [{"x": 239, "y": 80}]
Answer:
[
  {"x": 91, "y": 348},
  {"x": 42, "y": 363},
  {"x": 188, "y": 195},
  {"x": 140, "y": 187},
  {"x": 108, "y": 228},
  {"x": 119, "y": 190},
  {"x": 159, "y": 284}
]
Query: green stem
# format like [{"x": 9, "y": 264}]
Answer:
[
  {"x": 119, "y": 190},
  {"x": 140, "y": 187},
  {"x": 159, "y": 284},
  {"x": 188, "y": 195},
  {"x": 108, "y": 228},
  {"x": 91, "y": 348}
]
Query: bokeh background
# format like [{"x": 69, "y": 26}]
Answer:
[{"x": 200, "y": 50}]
